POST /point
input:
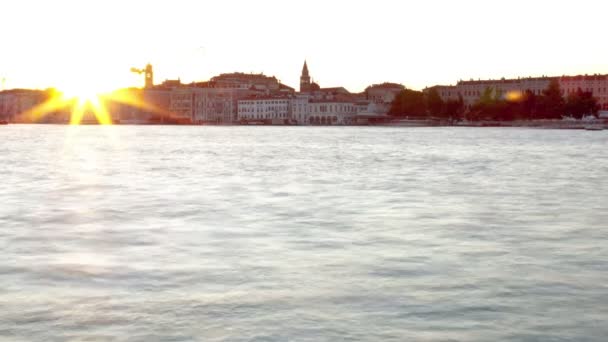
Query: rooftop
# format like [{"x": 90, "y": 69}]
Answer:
[
  {"x": 386, "y": 85},
  {"x": 242, "y": 75}
]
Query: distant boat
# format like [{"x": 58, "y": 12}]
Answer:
[{"x": 594, "y": 127}]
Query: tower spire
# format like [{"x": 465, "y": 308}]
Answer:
[{"x": 305, "y": 79}]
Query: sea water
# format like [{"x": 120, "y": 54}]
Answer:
[{"x": 174, "y": 233}]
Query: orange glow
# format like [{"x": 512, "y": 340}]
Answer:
[
  {"x": 129, "y": 97},
  {"x": 78, "y": 105},
  {"x": 85, "y": 99},
  {"x": 514, "y": 96},
  {"x": 82, "y": 105}
]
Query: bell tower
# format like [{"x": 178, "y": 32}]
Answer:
[
  {"x": 149, "y": 74},
  {"x": 305, "y": 79}
]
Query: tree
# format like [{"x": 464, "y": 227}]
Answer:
[
  {"x": 408, "y": 103},
  {"x": 454, "y": 109},
  {"x": 552, "y": 102},
  {"x": 529, "y": 105},
  {"x": 487, "y": 106},
  {"x": 581, "y": 103},
  {"x": 488, "y": 97},
  {"x": 434, "y": 103}
]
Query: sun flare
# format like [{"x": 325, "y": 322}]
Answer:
[
  {"x": 80, "y": 102},
  {"x": 84, "y": 102}
]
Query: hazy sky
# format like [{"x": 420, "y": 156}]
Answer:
[{"x": 346, "y": 43}]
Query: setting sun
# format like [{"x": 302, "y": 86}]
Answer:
[
  {"x": 84, "y": 100},
  {"x": 80, "y": 94},
  {"x": 81, "y": 104}
]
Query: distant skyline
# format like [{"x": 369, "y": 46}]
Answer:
[{"x": 352, "y": 44}]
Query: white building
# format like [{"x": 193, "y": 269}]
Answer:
[
  {"x": 265, "y": 109},
  {"x": 326, "y": 112},
  {"x": 301, "y": 109}
]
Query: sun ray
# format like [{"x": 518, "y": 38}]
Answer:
[
  {"x": 54, "y": 103},
  {"x": 101, "y": 112},
  {"x": 78, "y": 102},
  {"x": 129, "y": 97},
  {"x": 77, "y": 113}
]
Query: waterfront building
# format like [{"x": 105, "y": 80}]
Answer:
[
  {"x": 300, "y": 108},
  {"x": 218, "y": 105},
  {"x": 276, "y": 110},
  {"x": 596, "y": 84},
  {"x": 15, "y": 104},
  {"x": 157, "y": 102},
  {"x": 181, "y": 105},
  {"x": 217, "y": 100},
  {"x": 314, "y": 105},
  {"x": 148, "y": 105},
  {"x": 304, "y": 109},
  {"x": 383, "y": 93},
  {"x": 206, "y": 105},
  {"x": 332, "y": 112},
  {"x": 255, "y": 82},
  {"x": 471, "y": 91}
]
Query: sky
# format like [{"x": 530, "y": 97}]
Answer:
[{"x": 353, "y": 43}]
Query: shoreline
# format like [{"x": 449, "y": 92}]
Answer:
[{"x": 565, "y": 125}]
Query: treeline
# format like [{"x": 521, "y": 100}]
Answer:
[{"x": 496, "y": 106}]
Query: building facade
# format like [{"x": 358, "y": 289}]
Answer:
[
  {"x": 140, "y": 106},
  {"x": 265, "y": 110},
  {"x": 314, "y": 105},
  {"x": 328, "y": 112},
  {"x": 206, "y": 105},
  {"x": 383, "y": 93},
  {"x": 471, "y": 91},
  {"x": 17, "y": 105},
  {"x": 256, "y": 82},
  {"x": 304, "y": 109}
]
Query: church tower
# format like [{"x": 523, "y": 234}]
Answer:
[
  {"x": 305, "y": 79},
  {"x": 149, "y": 76}
]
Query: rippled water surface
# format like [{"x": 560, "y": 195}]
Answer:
[{"x": 302, "y": 234}]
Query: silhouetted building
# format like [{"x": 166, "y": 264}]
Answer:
[
  {"x": 148, "y": 75},
  {"x": 255, "y": 82},
  {"x": 170, "y": 84},
  {"x": 16, "y": 104}
]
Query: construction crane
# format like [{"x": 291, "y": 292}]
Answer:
[{"x": 148, "y": 74}]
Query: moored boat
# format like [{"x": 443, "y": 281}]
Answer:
[{"x": 594, "y": 127}]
